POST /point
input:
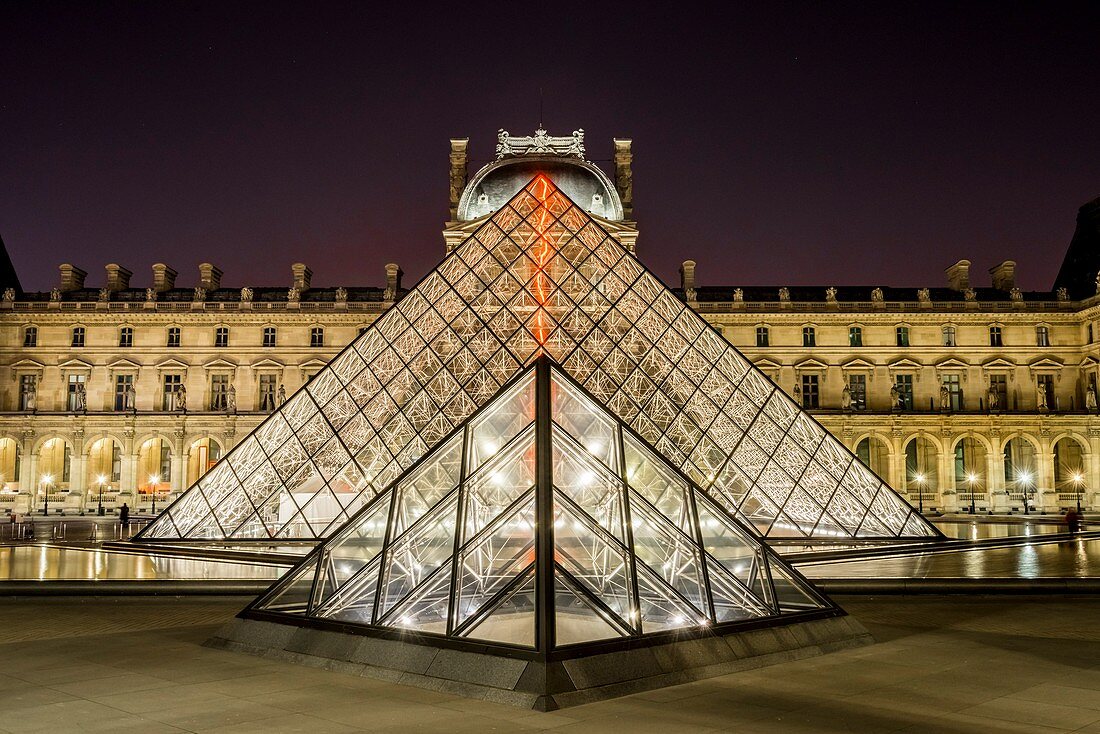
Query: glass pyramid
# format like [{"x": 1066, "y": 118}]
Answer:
[
  {"x": 541, "y": 523},
  {"x": 538, "y": 277}
]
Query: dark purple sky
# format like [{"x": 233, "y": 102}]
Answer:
[{"x": 775, "y": 144}]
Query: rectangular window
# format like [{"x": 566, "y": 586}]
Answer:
[
  {"x": 857, "y": 387},
  {"x": 1046, "y": 387},
  {"x": 1088, "y": 334},
  {"x": 809, "y": 336},
  {"x": 998, "y": 384},
  {"x": 221, "y": 336},
  {"x": 122, "y": 387},
  {"x": 317, "y": 337},
  {"x": 855, "y": 336},
  {"x": 28, "y": 390},
  {"x": 171, "y": 385},
  {"x": 267, "y": 393},
  {"x": 902, "y": 333},
  {"x": 219, "y": 390},
  {"x": 809, "y": 391},
  {"x": 995, "y": 336},
  {"x": 949, "y": 336},
  {"x": 30, "y": 336},
  {"x": 954, "y": 392},
  {"x": 904, "y": 385},
  {"x": 761, "y": 336},
  {"x": 269, "y": 336},
  {"x": 78, "y": 336},
  {"x": 126, "y": 336},
  {"x": 173, "y": 336},
  {"x": 1042, "y": 336},
  {"x": 76, "y": 390}
]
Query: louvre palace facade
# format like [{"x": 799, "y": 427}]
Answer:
[{"x": 128, "y": 389}]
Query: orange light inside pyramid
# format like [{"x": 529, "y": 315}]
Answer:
[{"x": 541, "y": 188}]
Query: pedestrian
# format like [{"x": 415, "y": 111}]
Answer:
[
  {"x": 1073, "y": 520},
  {"x": 124, "y": 515}
]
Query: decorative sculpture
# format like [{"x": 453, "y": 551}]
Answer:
[
  {"x": 1016, "y": 294},
  {"x": 199, "y": 294},
  {"x": 924, "y": 295},
  {"x": 945, "y": 398},
  {"x": 1041, "y": 396},
  {"x": 992, "y": 397},
  {"x": 9, "y": 295},
  {"x": 541, "y": 143},
  {"x": 846, "y": 398},
  {"x": 390, "y": 293},
  {"x": 150, "y": 295},
  {"x": 1062, "y": 293},
  {"x": 55, "y": 294},
  {"x": 1097, "y": 281},
  {"x": 689, "y": 294},
  {"x": 1090, "y": 399},
  {"x": 830, "y": 294},
  {"x": 877, "y": 296},
  {"x": 129, "y": 398},
  {"x": 104, "y": 295},
  {"x": 281, "y": 395},
  {"x": 30, "y": 396},
  {"x": 738, "y": 295},
  {"x": 231, "y": 400},
  {"x": 341, "y": 295},
  {"x": 181, "y": 398},
  {"x": 293, "y": 294},
  {"x": 81, "y": 398},
  {"x": 970, "y": 294},
  {"x": 785, "y": 295},
  {"x": 246, "y": 295},
  {"x": 895, "y": 398}
]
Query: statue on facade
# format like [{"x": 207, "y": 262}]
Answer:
[
  {"x": 150, "y": 295},
  {"x": 104, "y": 295},
  {"x": 738, "y": 295},
  {"x": 970, "y": 294},
  {"x": 504, "y": 144},
  {"x": 231, "y": 400},
  {"x": 9, "y": 295},
  {"x": 945, "y": 398},
  {"x": 1041, "y": 397},
  {"x": 785, "y": 295},
  {"x": 1016, "y": 294},
  {"x": 1090, "y": 399},
  {"x": 878, "y": 296},
  {"x": 895, "y": 398},
  {"x": 1062, "y": 293},
  {"x": 181, "y": 398},
  {"x": 281, "y": 399},
  {"x": 81, "y": 398},
  {"x": 797, "y": 394},
  {"x": 293, "y": 294},
  {"x": 1097, "y": 282},
  {"x": 199, "y": 294},
  {"x": 830, "y": 294},
  {"x": 924, "y": 295},
  {"x": 129, "y": 398},
  {"x": 992, "y": 397},
  {"x": 246, "y": 295},
  {"x": 30, "y": 395},
  {"x": 390, "y": 293},
  {"x": 689, "y": 294},
  {"x": 341, "y": 295},
  {"x": 846, "y": 398},
  {"x": 55, "y": 294}
]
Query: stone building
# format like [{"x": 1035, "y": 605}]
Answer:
[{"x": 953, "y": 394}]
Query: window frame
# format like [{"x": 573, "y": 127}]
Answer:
[
  {"x": 125, "y": 337},
  {"x": 855, "y": 336},
  {"x": 30, "y": 336},
  {"x": 221, "y": 337},
  {"x": 316, "y": 337},
  {"x": 78, "y": 337},
  {"x": 763, "y": 336},
  {"x": 169, "y": 333},
  {"x": 809, "y": 336}
]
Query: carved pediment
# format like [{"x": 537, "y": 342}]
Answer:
[
  {"x": 998, "y": 363},
  {"x": 811, "y": 364},
  {"x": 75, "y": 364},
  {"x": 172, "y": 364},
  {"x": 951, "y": 363},
  {"x": 857, "y": 364},
  {"x": 1045, "y": 363},
  {"x": 905, "y": 363},
  {"x": 267, "y": 363},
  {"x": 220, "y": 363}
]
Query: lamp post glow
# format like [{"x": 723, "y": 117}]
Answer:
[
  {"x": 154, "y": 480},
  {"x": 1025, "y": 478},
  {"x": 46, "y": 481},
  {"x": 101, "y": 480},
  {"x": 920, "y": 493},
  {"x": 1078, "y": 480},
  {"x": 971, "y": 478}
]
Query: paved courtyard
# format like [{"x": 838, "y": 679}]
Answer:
[{"x": 943, "y": 664}]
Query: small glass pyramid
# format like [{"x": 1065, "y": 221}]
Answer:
[
  {"x": 539, "y": 276},
  {"x": 542, "y": 522}
]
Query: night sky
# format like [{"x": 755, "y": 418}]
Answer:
[{"x": 775, "y": 144}]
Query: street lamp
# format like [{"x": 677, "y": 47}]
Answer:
[
  {"x": 971, "y": 478},
  {"x": 154, "y": 480},
  {"x": 920, "y": 493},
  {"x": 1025, "y": 478},
  {"x": 1078, "y": 480},
  {"x": 46, "y": 481},
  {"x": 102, "y": 480}
]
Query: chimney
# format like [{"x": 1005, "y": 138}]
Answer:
[
  {"x": 302, "y": 276},
  {"x": 72, "y": 278},
  {"x": 393, "y": 281},
  {"x": 210, "y": 276},
  {"x": 458, "y": 172},
  {"x": 1004, "y": 275},
  {"x": 624, "y": 178},
  {"x": 164, "y": 278},
  {"x": 118, "y": 277},
  {"x": 958, "y": 276},
  {"x": 687, "y": 275}
]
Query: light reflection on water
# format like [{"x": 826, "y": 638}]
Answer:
[{"x": 50, "y": 563}]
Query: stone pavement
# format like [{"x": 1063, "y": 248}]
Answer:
[{"x": 943, "y": 664}]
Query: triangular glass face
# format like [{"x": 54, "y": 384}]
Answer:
[
  {"x": 540, "y": 276},
  {"x": 458, "y": 545}
]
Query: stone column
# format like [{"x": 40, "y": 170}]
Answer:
[
  {"x": 624, "y": 177},
  {"x": 1046, "y": 494},
  {"x": 458, "y": 159},
  {"x": 996, "y": 482},
  {"x": 950, "y": 502}
]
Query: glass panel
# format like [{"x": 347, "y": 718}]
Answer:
[
  {"x": 424, "y": 487},
  {"x": 422, "y": 550},
  {"x": 493, "y": 562},
  {"x": 513, "y": 621},
  {"x": 426, "y": 609},
  {"x": 584, "y": 421},
  {"x": 725, "y": 541},
  {"x": 595, "y": 561},
  {"x": 588, "y": 484},
  {"x": 791, "y": 594},
  {"x": 362, "y": 541},
  {"x": 354, "y": 600},
  {"x": 294, "y": 595},
  {"x": 661, "y": 609},
  {"x": 499, "y": 483},
  {"x": 576, "y": 619},
  {"x": 666, "y": 551},
  {"x": 732, "y": 601},
  {"x": 499, "y": 423},
  {"x": 647, "y": 475}
]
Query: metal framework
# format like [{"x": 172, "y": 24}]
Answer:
[
  {"x": 543, "y": 523},
  {"x": 539, "y": 277}
]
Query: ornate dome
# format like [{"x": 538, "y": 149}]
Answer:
[{"x": 495, "y": 184}]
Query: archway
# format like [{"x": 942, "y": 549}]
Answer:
[
  {"x": 875, "y": 454},
  {"x": 154, "y": 466},
  {"x": 55, "y": 461},
  {"x": 1021, "y": 468},
  {"x": 104, "y": 465},
  {"x": 970, "y": 471},
  {"x": 922, "y": 477},
  {"x": 202, "y": 455},
  {"x": 1070, "y": 476},
  {"x": 11, "y": 464}
]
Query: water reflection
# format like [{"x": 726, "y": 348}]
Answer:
[{"x": 50, "y": 563}]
